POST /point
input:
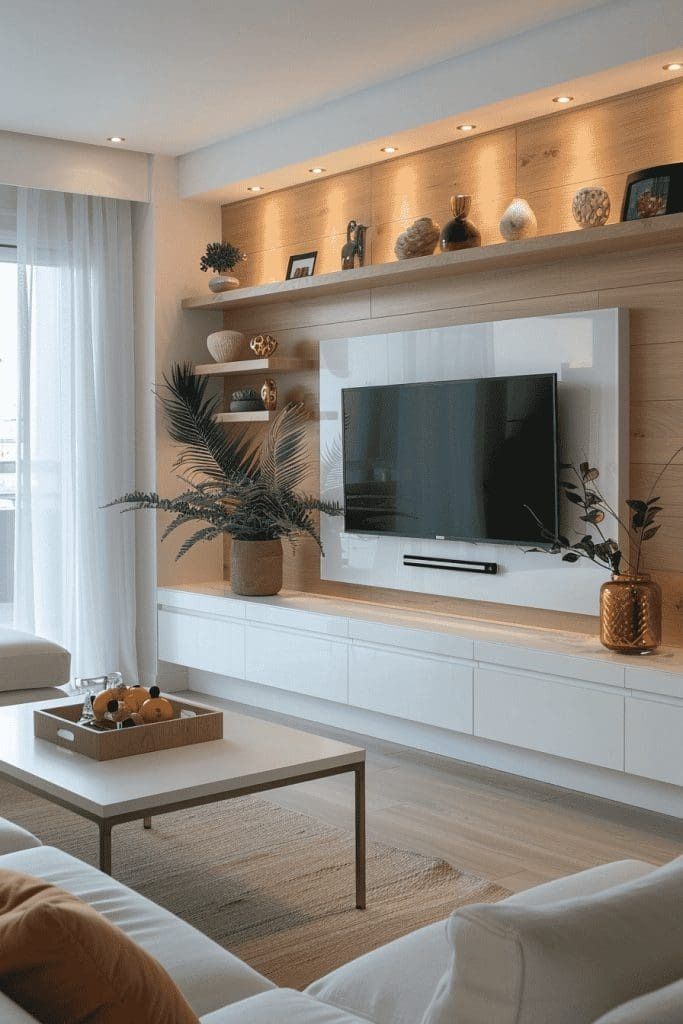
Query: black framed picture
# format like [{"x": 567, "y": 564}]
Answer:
[
  {"x": 302, "y": 265},
  {"x": 653, "y": 192}
]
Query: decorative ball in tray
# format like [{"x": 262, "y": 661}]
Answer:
[{"x": 124, "y": 706}]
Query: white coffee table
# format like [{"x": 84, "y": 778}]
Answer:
[{"x": 253, "y": 756}]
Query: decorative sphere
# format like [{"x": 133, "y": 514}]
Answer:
[
  {"x": 518, "y": 221},
  {"x": 263, "y": 345},
  {"x": 591, "y": 207}
]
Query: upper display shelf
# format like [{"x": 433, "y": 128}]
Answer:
[{"x": 623, "y": 237}]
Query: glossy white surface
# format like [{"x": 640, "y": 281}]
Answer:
[
  {"x": 251, "y": 752},
  {"x": 564, "y": 719},
  {"x": 589, "y": 353},
  {"x": 387, "y": 681},
  {"x": 296, "y": 661},
  {"x": 653, "y": 740}
]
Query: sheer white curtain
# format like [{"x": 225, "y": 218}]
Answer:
[{"x": 74, "y": 559}]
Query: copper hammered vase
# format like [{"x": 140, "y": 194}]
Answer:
[
  {"x": 256, "y": 567},
  {"x": 631, "y": 614}
]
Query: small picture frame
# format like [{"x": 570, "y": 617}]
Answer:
[
  {"x": 301, "y": 265},
  {"x": 653, "y": 192}
]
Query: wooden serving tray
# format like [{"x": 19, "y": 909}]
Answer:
[{"x": 60, "y": 725}]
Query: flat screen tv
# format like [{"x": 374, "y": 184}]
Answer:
[{"x": 452, "y": 460}]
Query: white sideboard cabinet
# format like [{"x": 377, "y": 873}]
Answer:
[{"x": 550, "y": 705}]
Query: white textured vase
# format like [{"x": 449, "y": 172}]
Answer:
[
  {"x": 518, "y": 221},
  {"x": 226, "y": 346}
]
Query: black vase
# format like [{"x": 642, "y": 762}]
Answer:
[{"x": 459, "y": 233}]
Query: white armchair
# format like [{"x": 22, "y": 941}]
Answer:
[{"x": 30, "y": 668}]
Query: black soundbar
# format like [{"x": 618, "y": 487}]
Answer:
[{"x": 452, "y": 564}]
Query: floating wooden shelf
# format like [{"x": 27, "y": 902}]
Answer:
[
  {"x": 275, "y": 364},
  {"x": 629, "y": 236},
  {"x": 259, "y": 416}
]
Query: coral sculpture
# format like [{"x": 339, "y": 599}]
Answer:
[
  {"x": 591, "y": 207},
  {"x": 418, "y": 240}
]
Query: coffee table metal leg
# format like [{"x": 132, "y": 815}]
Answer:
[
  {"x": 105, "y": 847},
  {"x": 147, "y": 822},
  {"x": 359, "y": 776}
]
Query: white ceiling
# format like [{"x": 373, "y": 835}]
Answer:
[{"x": 174, "y": 75}]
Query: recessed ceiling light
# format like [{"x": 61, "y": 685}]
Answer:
[
  {"x": 674, "y": 66},
  {"x": 389, "y": 149},
  {"x": 562, "y": 99},
  {"x": 254, "y": 188},
  {"x": 115, "y": 138},
  {"x": 316, "y": 170},
  {"x": 466, "y": 127}
]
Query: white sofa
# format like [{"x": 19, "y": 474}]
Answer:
[
  {"x": 31, "y": 668},
  {"x": 634, "y": 917}
]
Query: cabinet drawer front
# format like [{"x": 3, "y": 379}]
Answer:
[
  {"x": 296, "y": 661},
  {"x": 543, "y": 714},
  {"x": 214, "y": 645},
  {"x": 426, "y": 640},
  {"x": 432, "y": 691},
  {"x": 572, "y": 666},
  {"x": 654, "y": 747}
]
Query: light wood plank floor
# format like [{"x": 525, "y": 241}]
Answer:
[{"x": 514, "y": 831}]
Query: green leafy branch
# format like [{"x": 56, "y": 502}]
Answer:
[{"x": 586, "y": 495}]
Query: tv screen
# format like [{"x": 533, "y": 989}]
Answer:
[{"x": 452, "y": 460}]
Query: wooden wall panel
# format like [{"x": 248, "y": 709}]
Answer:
[
  {"x": 617, "y": 136},
  {"x": 545, "y": 160}
]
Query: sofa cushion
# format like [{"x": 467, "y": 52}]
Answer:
[
  {"x": 9, "y": 697},
  {"x": 62, "y": 961},
  {"x": 27, "y": 661},
  {"x": 208, "y": 976},
  {"x": 282, "y": 1006},
  {"x": 375, "y": 985},
  {"x": 663, "y": 1006},
  {"x": 10, "y": 1013},
  {"x": 368, "y": 985},
  {"x": 13, "y": 838},
  {"x": 567, "y": 961}
]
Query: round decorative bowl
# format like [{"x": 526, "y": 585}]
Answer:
[
  {"x": 226, "y": 346},
  {"x": 223, "y": 282},
  {"x": 246, "y": 405}
]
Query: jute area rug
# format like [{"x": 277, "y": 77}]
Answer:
[{"x": 273, "y": 886}]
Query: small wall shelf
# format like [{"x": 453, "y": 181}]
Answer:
[
  {"x": 630, "y": 236},
  {"x": 259, "y": 416},
  {"x": 275, "y": 364}
]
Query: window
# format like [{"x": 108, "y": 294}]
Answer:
[{"x": 8, "y": 425}]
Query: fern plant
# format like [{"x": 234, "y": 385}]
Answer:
[{"x": 232, "y": 485}]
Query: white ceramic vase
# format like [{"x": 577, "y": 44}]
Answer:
[
  {"x": 518, "y": 221},
  {"x": 226, "y": 346}
]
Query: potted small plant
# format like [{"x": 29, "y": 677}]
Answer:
[
  {"x": 222, "y": 257},
  {"x": 630, "y": 601},
  {"x": 233, "y": 486}
]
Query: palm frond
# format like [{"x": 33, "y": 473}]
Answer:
[
  {"x": 207, "y": 449},
  {"x": 282, "y": 458},
  {"x": 207, "y": 533}
]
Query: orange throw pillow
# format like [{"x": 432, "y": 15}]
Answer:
[{"x": 66, "y": 964}]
